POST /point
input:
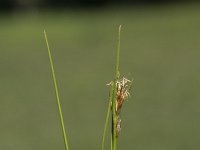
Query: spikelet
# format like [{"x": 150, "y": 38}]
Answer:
[
  {"x": 118, "y": 126},
  {"x": 122, "y": 93}
]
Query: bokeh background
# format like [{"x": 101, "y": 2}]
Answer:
[{"x": 160, "y": 50}]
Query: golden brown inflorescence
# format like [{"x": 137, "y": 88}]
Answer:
[{"x": 122, "y": 93}]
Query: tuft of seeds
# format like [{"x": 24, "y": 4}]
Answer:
[{"x": 122, "y": 93}]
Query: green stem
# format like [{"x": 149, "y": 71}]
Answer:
[
  {"x": 57, "y": 95},
  {"x": 107, "y": 117},
  {"x": 114, "y": 115}
]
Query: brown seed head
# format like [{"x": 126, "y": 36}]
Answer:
[{"x": 122, "y": 92}]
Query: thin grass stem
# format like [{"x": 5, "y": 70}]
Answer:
[
  {"x": 114, "y": 115},
  {"x": 107, "y": 118},
  {"x": 57, "y": 95}
]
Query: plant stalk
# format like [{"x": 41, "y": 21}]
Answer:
[
  {"x": 57, "y": 95},
  {"x": 114, "y": 115},
  {"x": 107, "y": 117}
]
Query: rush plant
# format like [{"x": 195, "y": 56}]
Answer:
[{"x": 119, "y": 92}]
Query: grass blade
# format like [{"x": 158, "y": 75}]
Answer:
[{"x": 56, "y": 91}]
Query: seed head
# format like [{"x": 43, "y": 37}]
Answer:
[{"x": 122, "y": 92}]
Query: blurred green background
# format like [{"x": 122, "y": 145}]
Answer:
[{"x": 160, "y": 50}]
